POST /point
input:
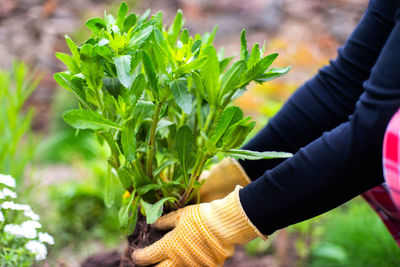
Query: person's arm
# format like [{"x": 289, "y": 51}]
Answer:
[
  {"x": 340, "y": 164},
  {"x": 329, "y": 98}
]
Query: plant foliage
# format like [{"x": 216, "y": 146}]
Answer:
[
  {"x": 160, "y": 99},
  {"x": 16, "y": 144}
]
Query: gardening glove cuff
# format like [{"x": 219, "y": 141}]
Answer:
[
  {"x": 222, "y": 179},
  {"x": 227, "y": 220}
]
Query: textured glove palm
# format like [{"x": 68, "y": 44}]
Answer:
[{"x": 204, "y": 234}]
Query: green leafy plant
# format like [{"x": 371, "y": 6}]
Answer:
[{"x": 161, "y": 100}]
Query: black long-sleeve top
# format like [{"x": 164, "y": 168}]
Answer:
[{"x": 334, "y": 124}]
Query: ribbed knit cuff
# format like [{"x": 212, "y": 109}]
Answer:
[{"x": 226, "y": 219}]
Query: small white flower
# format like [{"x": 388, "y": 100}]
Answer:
[
  {"x": 26, "y": 229},
  {"x": 8, "y": 193},
  {"x": 7, "y": 180},
  {"x": 16, "y": 230},
  {"x": 14, "y": 206},
  {"x": 46, "y": 238},
  {"x": 2, "y": 217},
  {"x": 37, "y": 248},
  {"x": 31, "y": 224},
  {"x": 32, "y": 215},
  {"x": 2, "y": 196}
]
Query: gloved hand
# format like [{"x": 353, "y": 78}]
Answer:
[
  {"x": 222, "y": 179},
  {"x": 204, "y": 234}
]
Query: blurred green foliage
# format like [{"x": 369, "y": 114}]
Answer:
[
  {"x": 354, "y": 235},
  {"x": 350, "y": 235},
  {"x": 13, "y": 251},
  {"x": 80, "y": 214},
  {"x": 65, "y": 144},
  {"x": 16, "y": 142}
]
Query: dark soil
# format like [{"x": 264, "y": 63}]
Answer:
[{"x": 143, "y": 236}]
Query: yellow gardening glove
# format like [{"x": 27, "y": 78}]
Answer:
[
  {"x": 222, "y": 179},
  {"x": 204, "y": 234}
]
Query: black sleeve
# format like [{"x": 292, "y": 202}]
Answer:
[
  {"x": 340, "y": 164},
  {"x": 329, "y": 98}
]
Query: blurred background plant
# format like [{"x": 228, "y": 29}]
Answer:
[
  {"x": 68, "y": 167},
  {"x": 21, "y": 243},
  {"x": 16, "y": 142}
]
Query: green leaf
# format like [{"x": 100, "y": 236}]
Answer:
[
  {"x": 244, "y": 54},
  {"x": 259, "y": 68},
  {"x": 196, "y": 45},
  {"x": 143, "y": 110},
  {"x": 184, "y": 142},
  {"x": 190, "y": 66},
  {"x": 224, "y": 63},
  {"x": 185, "y": 36},
  {"x": 87, "y": 119},
  {"x": 163, "y": 44},
  {"x": 208, "y": 38},
  {"x": 272, "y": 73},
  {"x": 158, "y": 57},
  {"x": 91, "y": 68},
  {"x": 209, "y": 73},
  {"x": 113, "y": 86},
  {"x": 199, "y": 84},
  {"x": 125, "y": 178},
  {"x": 69, "y": 62},
  {"x": 132, "y": 221},
  {"x": 139, "y": 38},
  {"x": 146, "y": 188},
  {"x": 163, "y": 124},
  {"x": 130, "y": 21},
  {"x": 210, "y": 146},
  {"x": 153, "y": 212},
  {"x": 230, "y": 79},
  {"x": 108, "y": 197},
  {"x": 127, "y": 214},
  {"x": 150, "y": 71},
  {"x": 122, "y": 11},
  {"x": 230, "y": 116},
  {"x": 254, "y": 56},
  {"x": 144, "y": 17},
  {"x": 128, "y": 140},
  {"x": 96, "y": 24},
  {"x": 238, "y": 133},
  {"x": 70, "y": 83},
  {"x": 254, "y": 155},
  {"x": 138, "y": 87},
  {"x": 105, "y": 52},
  {"x": 181, "y": 94},
  {"x": 175, "y": 28},
  {"x": 123, "y": 65},
  {"x": 158, "y": 20},
  {"x": 74, "y": 49}
]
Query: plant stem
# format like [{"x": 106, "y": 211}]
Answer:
[
  {"x": 101, "y": 104},
  {"x": 210, "y": 118},
  {"x": 193, "y": 177},
  {"x": 152, "y": 144}
]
